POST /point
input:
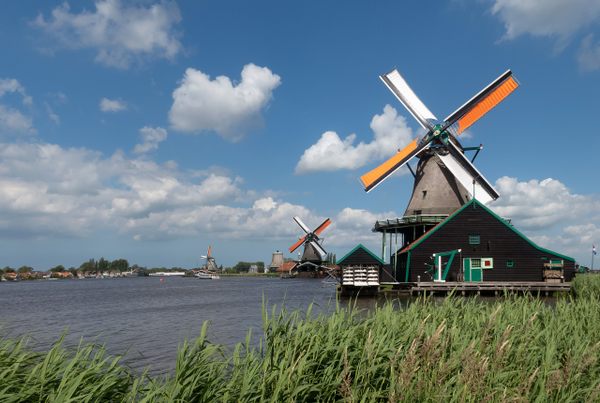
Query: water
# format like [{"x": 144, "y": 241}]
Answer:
[{"x": 147, "y": 319}]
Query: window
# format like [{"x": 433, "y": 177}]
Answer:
[
  {"x": 510, "y": 264},
  {"x": 474, "y": 239},
  {"x": 475, "y": 263}
]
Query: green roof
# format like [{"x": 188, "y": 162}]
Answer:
[
  {"x": 420, "y": 240},
  {"x": 360, "y": 246}
]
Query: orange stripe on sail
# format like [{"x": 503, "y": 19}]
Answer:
[
  {"x": 322, "y": 227},
  {"x": 487, "y": 104},
  {"x": 384, "y": 169},
  {"x": 295, "y": 246}
]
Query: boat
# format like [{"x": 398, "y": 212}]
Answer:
[
  {"x": 207, "y": 275},
  {"x": 167, "y": 274}
]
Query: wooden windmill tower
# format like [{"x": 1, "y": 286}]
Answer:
[
  {"x": 445, "y": 178},
  {"x": 210, "y": 263}
]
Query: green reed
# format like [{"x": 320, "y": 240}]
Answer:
[{"x": 457, "y": 349}]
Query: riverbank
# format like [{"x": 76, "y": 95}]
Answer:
[{"x": 456, "y": 349}]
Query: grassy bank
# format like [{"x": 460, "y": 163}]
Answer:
[{"x": 515, "y": 349}]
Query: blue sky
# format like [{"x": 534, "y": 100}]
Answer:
[{"x": 149, "y": 130}]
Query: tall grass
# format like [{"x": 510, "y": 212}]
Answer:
[
  {"x": 514, "y": 349},
  {"x": 586, "y": 285}
]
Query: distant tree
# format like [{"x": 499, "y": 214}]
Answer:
[
  {"x": 58, "y": 268},
  {"x": 103, "y": 265},
  {"x": 25, "y": 269},
  {"x": 73, "y": 271},
  {"x": 245, "y": 266},
  {"x": 88, "y": 266},
  {"x": 8, "y": 269},
  {"x": 119, "y": 265}
]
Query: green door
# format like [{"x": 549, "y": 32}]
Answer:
[{"x": 472, "y": 274}]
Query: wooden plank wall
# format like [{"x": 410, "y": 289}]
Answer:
[{"x": 496, "y": 241}]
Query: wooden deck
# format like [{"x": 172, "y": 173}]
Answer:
[{"x": 488, "y": 287}]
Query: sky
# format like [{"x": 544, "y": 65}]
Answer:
[{"x": 149, "y": 130}]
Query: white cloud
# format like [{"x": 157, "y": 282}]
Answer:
[
  {"x": 201, "y": 104},
  {"x": 9, "y": 85},
  {"x": 331, "y": 153},
  {"x": 13, "y": 120},
  {"x": 121, "y": 34},
  {"x": 48, "y": 191},
  {"x": 353, "y": 226},
  {"x": 589, "y": 54},
  {"x": 112, "y": 105},
  {"x": 550, "y": 214},
  {"x": 151, "y": 137},
  {"x": 550, "y": 18},
  {"x": 558, "y": 19},
  {"x": 53, "y": 116}
]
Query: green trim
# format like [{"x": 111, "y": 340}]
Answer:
[
  {"x": 360, "y": 246},
  {"x": 451, "y": 255},
  {"x": 497, "y": 217},
  {"x": 407, "y": 267}
]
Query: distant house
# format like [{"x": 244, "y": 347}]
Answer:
[
  {"x": 253, "y": 269},
  {"x": 287, "y": 267},
  {"x": 491, "y": 249}
]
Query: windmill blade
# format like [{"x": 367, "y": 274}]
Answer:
[
  {"x": 374, "y": 177},
  {"x": 466, "y": 174},
  {"x": 297, "y": 244},
  {"x": 203, "y": 257},
  {"x": 208, "y": 253},
  {"x": 319, "y": 248},
  {"x": 322, "y": 227},
  {"x": 302, "y": 225},
  {"x": 394, "y": 81},
  {"x": 461, "y": 119}
]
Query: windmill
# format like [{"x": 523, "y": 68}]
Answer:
[
  {"x": 210, "y": 263},
  {"x": 314, "y": 253},
  {"x": 445, "y": 178}
]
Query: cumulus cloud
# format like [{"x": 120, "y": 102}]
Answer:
[
  {"x": 352, "y": 226},
  {"x": 119, "y": 33},
  {"x": 72, "y": 191},
  {"x": 550, "y": 18},
  {"x": 589, "y": 54},
  {"x": 151, "y": 137},
  {"x": 112, "y": 105},
  {"x": 550, "y": 213},
  {"x": 557, "y": 19},
  {"x": 331, "y": 153},
  {"x": 13, "y": 120},
  {"x": 10, "y": 85},
  {"x": 47, "y": 190},
  {"x": 203, "y": 104}
]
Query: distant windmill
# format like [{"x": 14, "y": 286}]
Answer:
[
  {"x": 210, "y": 263},
  {"x": 445, "y": 179},
  {"x": 313, "y": 250}
]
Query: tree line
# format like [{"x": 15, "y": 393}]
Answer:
[{"x": 103, "y": 265}]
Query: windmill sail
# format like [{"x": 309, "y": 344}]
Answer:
[
  {"x": 394, "y": 81},
  {"x": 483, "y": 102},
  {"x": 371, "y": 179},
  {"x": 468, "y": 176}
]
